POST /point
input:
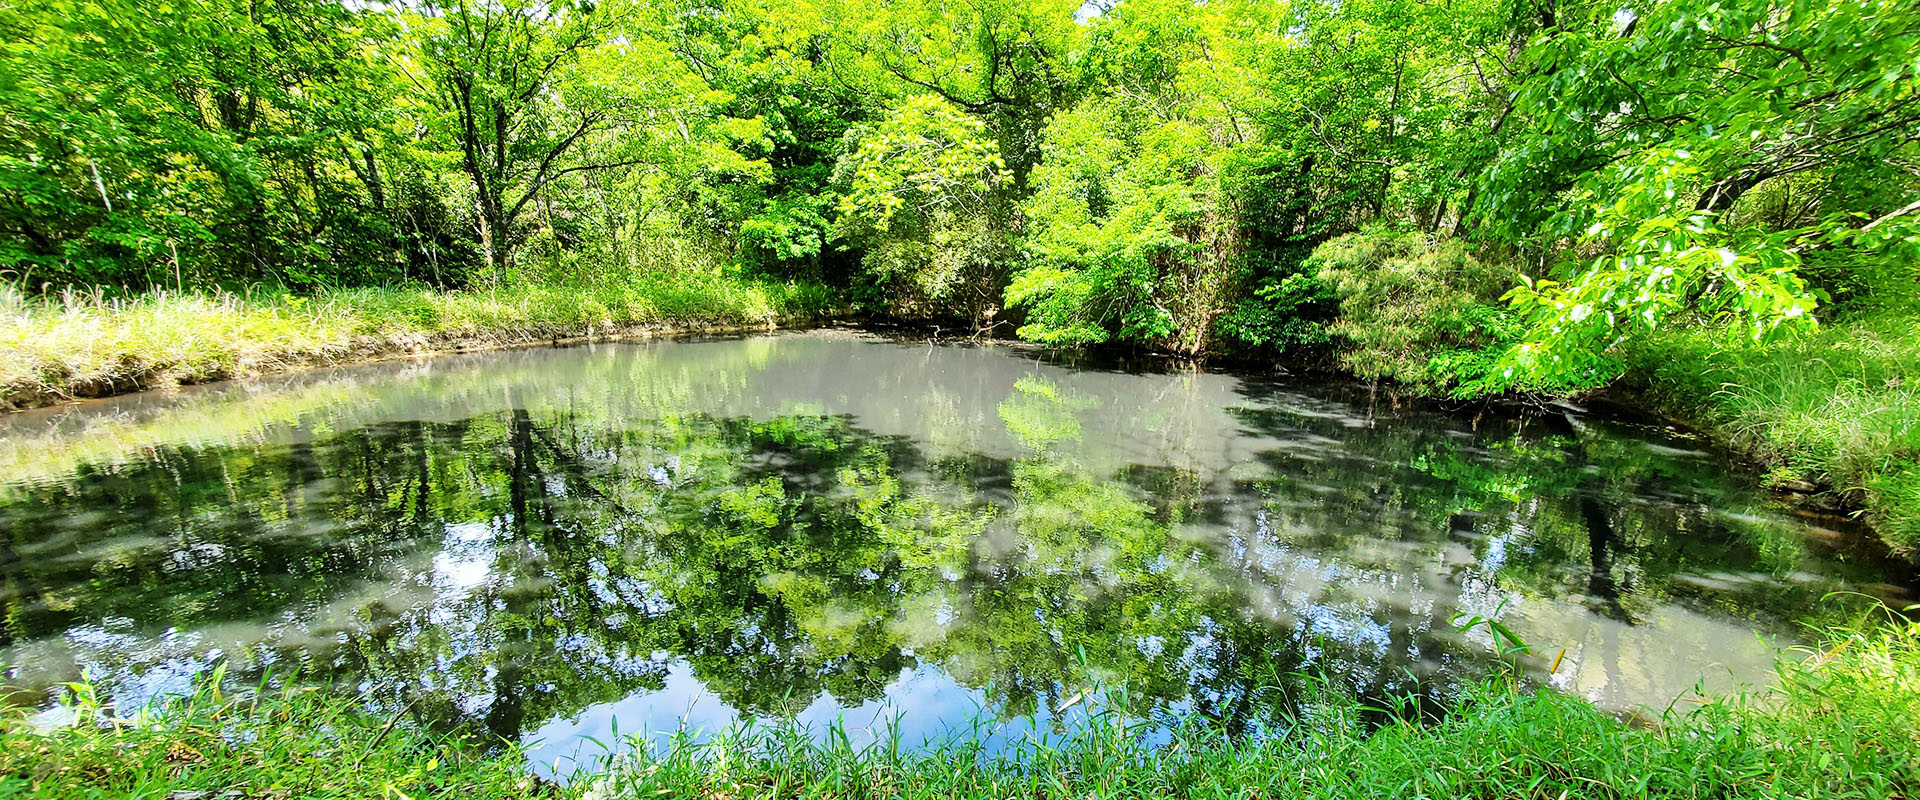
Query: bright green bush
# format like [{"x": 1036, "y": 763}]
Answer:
[
  {"x": 922, "y": 200},
  {"x": 1423, "y": 312},
  {"x": 1289, "y": 315},
  {"x": 1131, "y": 239}
]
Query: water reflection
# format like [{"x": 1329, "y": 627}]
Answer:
[{"x": 545, "y": 544}]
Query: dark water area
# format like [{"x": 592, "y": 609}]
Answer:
[{"x": 554, "y": 544}]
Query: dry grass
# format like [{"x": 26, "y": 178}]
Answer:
[{"x": 83, "y": 344}]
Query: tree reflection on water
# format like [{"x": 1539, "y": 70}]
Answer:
[{"x": 1018, "y": 531}]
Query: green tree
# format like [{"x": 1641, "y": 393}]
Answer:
[
  {"x": 531, "y": 93},
  {"x": 193, "y": 143},
  {"x": 919, "y": 198},
  {"x": 1647, "y": 127}
]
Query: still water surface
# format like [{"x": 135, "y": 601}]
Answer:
[{"x": 553, "y": 544}]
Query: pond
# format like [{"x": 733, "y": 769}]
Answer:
[{"x": 555, "y": 544}]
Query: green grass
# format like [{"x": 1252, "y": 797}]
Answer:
[
  {"x": 1840, "y": 724},
  {"x": 82, "y": 344},
  {"x": 1839, "y": 406}
]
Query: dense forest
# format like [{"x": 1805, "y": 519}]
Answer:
[
  {"x": 1464, "y": 198},
  {"x": 1153, "y": 172}
]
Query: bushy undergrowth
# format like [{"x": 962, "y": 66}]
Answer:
[
  {"x": 1420, "y": 311},
  {"x": 1838, "y": 406},
  {"x": 1839, "y": 725},
  {"x": 87, "y": 344}
]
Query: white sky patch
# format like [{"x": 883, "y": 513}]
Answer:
[{"x": 465, "y": 560}]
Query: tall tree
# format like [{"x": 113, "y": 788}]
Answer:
[
  {"x": 194, "y": 142},
  {"x": 499, "y": 72},
  {"x": 1646, "y": 126}
]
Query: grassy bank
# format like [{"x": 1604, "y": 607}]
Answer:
[
  {"x": 1834, "y": 408},
  {"x": 87, "y": 345},
  {"x": 1840, "y": 724},
  {"x": 1838, "y": 407}
]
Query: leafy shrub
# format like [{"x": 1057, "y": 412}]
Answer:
[
  {"x": 1412, "y": 310},
  {"x": 1289, "y": 314},
  {"x": 920, "y": 201},
  {"x": 1132, "y": 238}
]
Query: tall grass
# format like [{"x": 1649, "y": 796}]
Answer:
[
  {"x": 1839, "y": 406},
  {"x": 265, "y": 743},
  {"x": 1839, "y": 725},
  {"x": 89, "y": 344}
]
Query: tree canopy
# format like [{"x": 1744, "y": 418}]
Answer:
[{"x": 1154, "y": 173}]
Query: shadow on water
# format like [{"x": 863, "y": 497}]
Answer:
[{"x": 548, "y": 544}]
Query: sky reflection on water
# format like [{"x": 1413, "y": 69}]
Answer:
[{"x": 547, "y": 544}]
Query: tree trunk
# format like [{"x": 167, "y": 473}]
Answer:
[
  {"x": 1727, "y": 191},
  {"x": 494, "y": 242},
  {"x": 1466, "y": 209}
]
